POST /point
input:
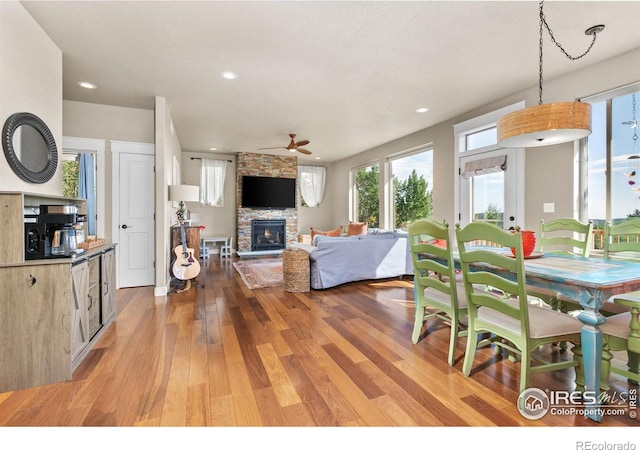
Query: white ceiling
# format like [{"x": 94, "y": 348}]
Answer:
[{"x": 346, "y": 75}]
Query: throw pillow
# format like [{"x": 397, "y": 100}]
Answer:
[
  {"x": 357, "y": 228},
  {"x": 335, "y": 232}
]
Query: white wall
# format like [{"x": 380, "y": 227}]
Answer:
[
  {"x": 217, "y": 220},
  {"x": 30, "y": 81},
  {"x": 167, "y": 147},
  {"x": 549, "y": 170},
  {"x": 90, "y": 120},
  {"x": 111, "y": 123}
]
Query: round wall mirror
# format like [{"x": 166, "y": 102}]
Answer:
[{"x": 29, "y": 147}]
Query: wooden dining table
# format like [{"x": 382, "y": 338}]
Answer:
[{"x": 591, "y": 282}]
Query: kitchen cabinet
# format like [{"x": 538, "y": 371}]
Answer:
[
  {"x": 13, "y": 207},
  {"x": 48, "y": 312},
  {"x": 52, "y": 310},
  {"x": 93, "y": 300}
]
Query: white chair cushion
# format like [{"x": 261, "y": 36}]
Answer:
[
  {"x": 617, "y": 325},
  {"x": 444, "y": 299},
  {"x": 543, "y": 322}
]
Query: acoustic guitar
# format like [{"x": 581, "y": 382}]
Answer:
[{"x": 186, "y": 266}]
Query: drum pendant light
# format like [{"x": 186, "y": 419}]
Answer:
[{"x": 552, "y": 123}]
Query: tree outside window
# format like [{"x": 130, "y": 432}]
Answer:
[{"x": 368, "y": 195}]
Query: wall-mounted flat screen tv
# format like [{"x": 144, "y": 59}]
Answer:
[{"x": 268, "y": 192}]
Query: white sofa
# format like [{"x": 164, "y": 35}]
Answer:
[{"x": 338, "y": 260}]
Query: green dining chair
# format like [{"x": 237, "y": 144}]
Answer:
[
  {"x": 510, "y": 322},
  {"x": 438, "y": 291},
  {"x": 567, "y": 236},
  {"x": 622, "y": 331}
]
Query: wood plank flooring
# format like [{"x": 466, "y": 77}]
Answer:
[{"x": 222, "y": 355}]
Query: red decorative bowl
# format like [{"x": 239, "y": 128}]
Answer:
[{"x": 528, "y": 243}]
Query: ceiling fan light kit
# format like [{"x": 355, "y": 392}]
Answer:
[{"x": 552, "y": 123}]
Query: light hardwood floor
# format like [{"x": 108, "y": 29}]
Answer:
[{"x": 222, "y": 355}]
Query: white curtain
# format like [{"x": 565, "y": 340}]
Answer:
[
  {"x": 311, "y": 180},
  {"x": 212, "y": 173}
]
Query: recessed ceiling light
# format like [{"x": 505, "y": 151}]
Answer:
[
  {"x": 317, "y": 157},
  {"x": 87, "y": 85},
  {"x": 213, "y": 149},
  {"x": 422, "y": 110},
  {"x": 229, "y": 75}
]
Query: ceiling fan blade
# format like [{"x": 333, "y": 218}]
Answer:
[
  {"x": 304, "y": 151},
  {"x": 302, "y": 143},
  {"x": 272, "y": 148}
]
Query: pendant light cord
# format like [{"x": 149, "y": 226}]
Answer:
[{"x": 544, "y": 25}]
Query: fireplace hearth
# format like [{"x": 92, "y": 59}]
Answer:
[{"x": 268, "y": 234}]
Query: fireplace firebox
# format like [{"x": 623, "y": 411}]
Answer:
[{"x": 268, "y": 234}]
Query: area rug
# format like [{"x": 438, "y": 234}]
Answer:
[{"x": 260, "y": 273}]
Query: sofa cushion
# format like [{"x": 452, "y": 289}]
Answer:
[
  {"x": 357, "y": 228},
  {"x": 335, "y": 232}
]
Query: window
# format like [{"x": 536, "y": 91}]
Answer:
[
  {"x": 94, "y": 177},
  {"x": 411, "y": 186},
  {"x": 490, "y": 184},
  {"x": 610, "y": 162},
  {"x": 212, "y": 175},
  {"x": 79, "y": 176},
  {"x": 311, "y": 182},
  {"x": 367, "y": 194}
]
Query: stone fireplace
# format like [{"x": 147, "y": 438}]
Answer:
[
  {"x": 254, "y": 164},
  {"x": 268, "y": 235}
]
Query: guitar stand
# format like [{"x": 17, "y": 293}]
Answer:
[{"x": 186, "y": 285}]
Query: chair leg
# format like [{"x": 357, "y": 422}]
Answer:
[
  {"x": 525, "y": 367},
  {"x": 417, "y": 324},
  {"x": 605, "y": 366},
  {"x": 472, "y": 345},
  {"x": 453, "y": 339},
  {"x": 634, "y": 366}
]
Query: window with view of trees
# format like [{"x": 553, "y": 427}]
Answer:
[
  {"x": 410, "y": 188},
  {"x": 367, "y": 188},
  {"x": 412, "y": 177}
]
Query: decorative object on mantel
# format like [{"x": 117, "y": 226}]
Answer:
[{"x": 552, "y": 123}]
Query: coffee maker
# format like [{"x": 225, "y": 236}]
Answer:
[{"x": 50, "y": 232}]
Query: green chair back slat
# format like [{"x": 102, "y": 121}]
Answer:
[{"x": 566, "y": 235}]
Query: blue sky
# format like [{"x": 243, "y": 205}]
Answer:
[{"x": 624, "y": 199}]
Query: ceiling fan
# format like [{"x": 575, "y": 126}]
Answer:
[{"x": 293, "y": 146}]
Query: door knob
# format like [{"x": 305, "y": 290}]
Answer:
[{"x": 124, "y": 226}]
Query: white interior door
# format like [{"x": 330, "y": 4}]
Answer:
[{"x": 135, "y": 219}]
